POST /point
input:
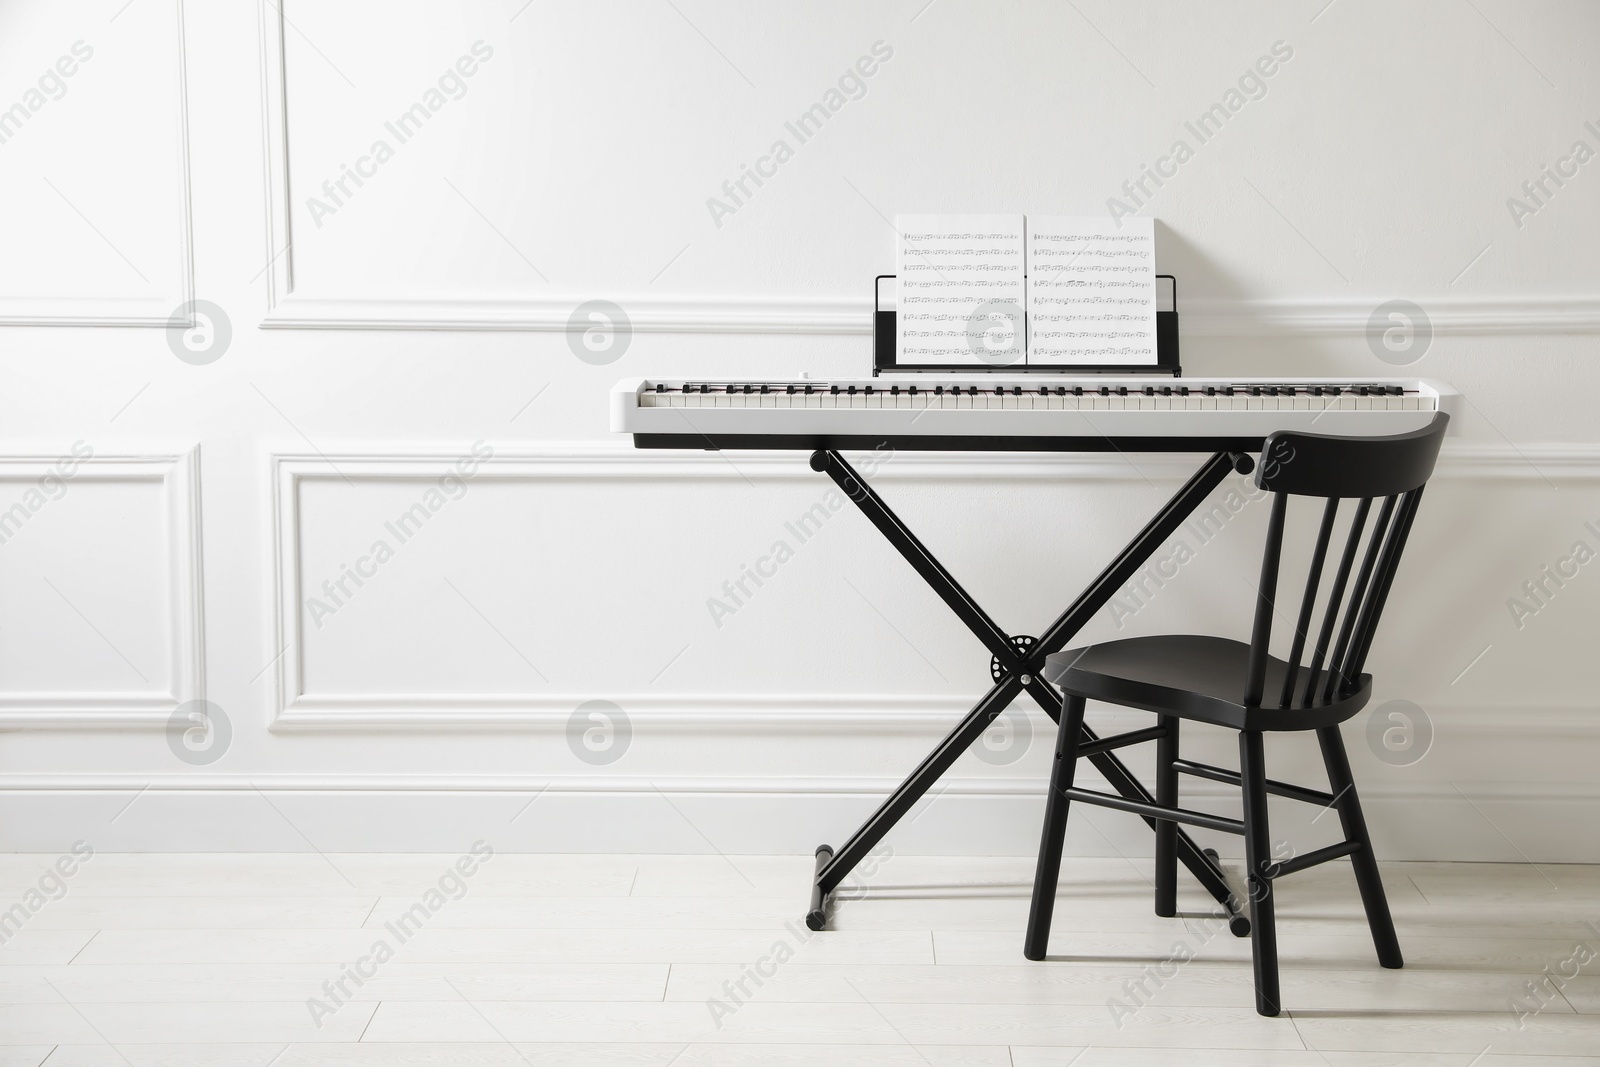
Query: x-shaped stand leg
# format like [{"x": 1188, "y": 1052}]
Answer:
[{"x": 1018, "y": 666}]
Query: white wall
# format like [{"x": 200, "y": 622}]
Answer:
[{"x": 376, "y": 339}]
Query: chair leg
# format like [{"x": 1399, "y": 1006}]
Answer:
[
  {"x": 1047, "y": 876},
  {"x": 1365, "y": 864},
  {"x": 1167, "y": 832},
  {"x": 1258, "y": 864}
]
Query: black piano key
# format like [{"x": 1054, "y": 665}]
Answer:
[
  {"x": 1122, "y": 390},
  {"x": 1105, "y": 390},
  {"x": 1149, "y": 390},
  {"x": 790, "y": 390},
  {"x": 1166, "y": 390},
  {"x": 1077, "y": 390},
  {"x": 1183, "y": 390},
  {"x": 766, "y": 388},
  {"x": 912, "y": 389},
  {"x": 869, "y": 390},
  {"x": 1396, "y": 390},
  {"x": 894, "y": 390}
]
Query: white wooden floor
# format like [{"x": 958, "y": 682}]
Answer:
[{"x": 613, "y": 960}]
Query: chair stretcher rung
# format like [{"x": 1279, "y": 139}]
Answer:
[
  {"x": 1134, "y": 737},
  {"x": 1281, "y": 789},
  {"x": 1156, "y": 811},
  {"x": 1321, "y": 855}
]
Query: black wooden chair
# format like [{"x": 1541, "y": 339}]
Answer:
[{"x": 1244, "y": 687}]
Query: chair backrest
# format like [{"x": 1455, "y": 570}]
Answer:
[{"x": 1389, "y": 470}]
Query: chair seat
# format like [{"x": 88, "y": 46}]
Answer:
[{"x": 1195, "y": 677}]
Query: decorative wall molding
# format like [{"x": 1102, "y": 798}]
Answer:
[
  {"x": 1490, "y": 316},
  {"x": 690, "y": 712},
  {"x": 1312, "y": 317},
  {"x": 295, "y": 710},
  {"x": 149, "y": 311},
  {"x": 1502, "y": 315},
  {"x": 646, "y": 314},
  {"x": 613, "y": 460},
  {"x": 288, "y": 310},
  {"x": 178, "y": 474},
  {"x": 279, "y": 270},
  {"x": 612, "y": 785}
]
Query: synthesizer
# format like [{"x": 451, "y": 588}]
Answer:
[{"x": 957, "y": 413}]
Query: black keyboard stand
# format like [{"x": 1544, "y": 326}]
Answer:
[{"x": 1017, "y": 663}]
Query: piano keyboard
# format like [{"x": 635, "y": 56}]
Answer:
[{"x": 1012, "y": 413}]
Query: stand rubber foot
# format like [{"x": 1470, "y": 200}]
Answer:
[
  {"x": 817, "y": 913},
  {"x": 1238, "y": 923}
]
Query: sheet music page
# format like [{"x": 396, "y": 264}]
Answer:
[
  {"x": 961, "y": 291},
  {"x": 1091, "y": 291}
]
